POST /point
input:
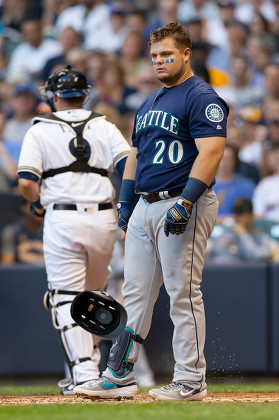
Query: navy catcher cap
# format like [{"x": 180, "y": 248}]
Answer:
[{"x": 99, "y": 314}]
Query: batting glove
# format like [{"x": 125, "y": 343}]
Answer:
[
  {"x": 124, "y": 210},
  {"x": 178, "y": 217}
]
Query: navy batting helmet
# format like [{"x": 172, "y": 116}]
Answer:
[
  {"x": 66, "y": 83},
  {"x": 98, "y": 313}
]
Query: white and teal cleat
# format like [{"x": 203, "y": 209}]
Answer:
[{"x": 105, "y": 388}]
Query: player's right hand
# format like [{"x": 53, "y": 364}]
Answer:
[
  {"x": 124, "y": 210},
  {"x": 39, "y": 212}
]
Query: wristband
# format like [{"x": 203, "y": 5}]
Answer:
[
  {"x": 193, "y": 189},
  {"x": 127, "y": 193},
  {"x": 37, "y": 204}
]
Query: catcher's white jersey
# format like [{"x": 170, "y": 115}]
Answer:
[{"x": 50, "y": 145}]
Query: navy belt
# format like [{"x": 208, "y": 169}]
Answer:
[
  {"x": 162, "y": 195},
  {"x": 101, "y": 206}
]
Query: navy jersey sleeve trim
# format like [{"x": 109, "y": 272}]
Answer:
[{"x": 28, "y": 175}]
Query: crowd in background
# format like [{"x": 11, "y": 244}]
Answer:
[{"x": 235, "y": 49}]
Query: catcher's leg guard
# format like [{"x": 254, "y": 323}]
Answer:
[
  {"x": 119, "y": 353},
  {"x": 69, "y": 337}
]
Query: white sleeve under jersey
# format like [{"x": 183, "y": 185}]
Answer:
[{"x": 50, "y": 145}]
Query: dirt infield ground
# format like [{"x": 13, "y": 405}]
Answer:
[{"x": 138, "y": 399}]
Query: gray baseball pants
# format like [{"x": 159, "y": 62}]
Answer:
[{"x": 178, "y": 260}]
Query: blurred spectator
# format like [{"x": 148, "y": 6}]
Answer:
[
  {"x": 165, "y": 12},
  {"x": 3, "y": 65},
  {"x": 52, "y": 9},
  {"x": 274, "y": 25},
  {"x": 240, "y": 92},
  {"x": 252, "y": 141},
  {"x": 270, "y": 110},
  {"x": 260, "y": 52},
  {"x": 245, "y": 11},
  {"x": 244, "y": 169},
  {"x": 266, "y": 197},
  {"x": 111, "y": 113},
  {"x": 86, "y": 17},
  {"x": 196, "y": 29},
  {"x": 110, "y": 37},
  {"x": 219, "y": 59},
  {"x": 217, "y": 27},
  {"x": 231, "y": 122},
  {"x": 271, "y": 83},
  {"x": 237, "y": 36},
  {"x": 189, "y": 9},
  {"x": 69, "y": 39},
  {"x": 230, "y": 186},
  {"x": 21, "y": 241},
  {"x": 259, "y": 25},
  {"x": 273, "y": 133},
  {"x": 22, "y": 104},
  {"x": 77, "y": 58},
  {"x": 147, "y": 83},
  {"x": 128, "y": 125},
  {"x": 95, "y": 62},
  {"x": 201, "y": 71},
  {"x": 242, "y": 243},
  {"x": 200, "y": 52},
  {"x": 136, "y": 20},
  {"x": 14, "y": 12},
  {"x": 132, "y": 55},
  {"x": 8, "y": 167},
  {"x": 31, "y": 56},
  {"x": 111, "y": 86}
]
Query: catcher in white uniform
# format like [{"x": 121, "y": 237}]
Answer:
[{"x": 63, "y": 171}]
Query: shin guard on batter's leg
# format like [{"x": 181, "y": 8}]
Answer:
[{"x": 118, "y": 363}]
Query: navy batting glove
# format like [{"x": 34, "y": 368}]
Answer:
[
  {"x": 124, "y": 210},
  {"x": 178, "y": 217}
]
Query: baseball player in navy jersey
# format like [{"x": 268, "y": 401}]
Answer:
[
  {"x": 178, "y": 142},
  {"x": 70, "y": 153}
]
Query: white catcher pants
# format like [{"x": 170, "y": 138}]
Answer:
[
  {"x": 178, "y": 260},
  {"x": 77, "y": 249}
]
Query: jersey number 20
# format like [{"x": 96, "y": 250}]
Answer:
[{"x": 174, "y": 152}]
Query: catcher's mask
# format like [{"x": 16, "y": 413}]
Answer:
[
  {"x": 66, "y": 83},
  {"x": 99, "y": 313}
]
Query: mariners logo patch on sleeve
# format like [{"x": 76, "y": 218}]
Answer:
[{"x": 214, "y": 113}]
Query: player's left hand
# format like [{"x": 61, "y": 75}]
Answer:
[
  {"x": 178, "y": 216},
  {"x": 124, "y": 210}
]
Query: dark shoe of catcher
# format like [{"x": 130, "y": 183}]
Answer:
[
  {"x": 105, "y": 388},
  {"x": 66, "y": 386},
  {"x": 178, "y": 392}
]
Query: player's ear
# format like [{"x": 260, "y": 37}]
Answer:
[
  {"x": 187, "y": 54},
  {"x": 55, "y": 97}
]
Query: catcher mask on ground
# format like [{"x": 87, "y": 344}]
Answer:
[{"x": 99, "y": 313}]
